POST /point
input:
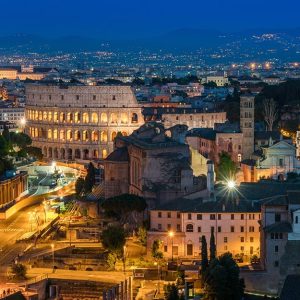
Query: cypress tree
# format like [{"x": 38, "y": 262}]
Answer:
[
  {"x": 204, "y": 257},
  {"x": 212, "y": 246}
]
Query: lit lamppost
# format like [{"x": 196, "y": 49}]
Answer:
[
  {"x": 171, "y": 235},
  {"x": 124, "y": 259},
  {"x": 52, "y": 246},
  {"x": 158, "y": 277}
]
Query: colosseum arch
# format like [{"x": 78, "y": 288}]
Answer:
[
  {"x": 55, "y": 116},
  {"x": 103, "y": 118},
  {"x": 114, "y": 118},
  {"x": 95, "y": 136},
  {"x": 69, "y": 135},
  {"x": 113, "y": 136},
  {"x": 134, "y": 118},
  {"x": 50, "y": 152},
  {"x": 44, "y": 115},
  {"x": 62, "y": 153},
  {"x": 85, "y": 135},
  {"x": 49, "y": 116},
  {"x": 95, "y": 153},
  {"x": 36, "y": 115},
  {"x": 85, "y": 154},
  {"x": 104, "y": 153},
  {"x": 36, "y": 134},
  {"x": 76, "y": 135},
  {"x": 124, "y": 118},
  {"x": 94, "y": 117},
  {"x": 77, "y": 153},
  {"x": 69, "y": 117},
  {"x": 103, "y": 136},
  {"x": 55, "y": 134},
  {"x": 55, "y": 153},
  {"x": 62, "y": 135},
  {"x": 69, "y": 154},
  {"x": 49, "y": 135},
  {"x": 85, "y": 117},
  {"x": 124, "y": 133},
  {"x": 62, "y": 117},
  {"x": 77, "y": 117}
]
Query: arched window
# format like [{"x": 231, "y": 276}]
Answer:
[
  {"x": 113, "y": 118},
  {"x": 44, "y": 115},
  {"x": 36, "y": 132},
  {"x": 55, "y": 134},
  {"x": 77, "y": 117},
  {"x": 40, "y": 116},
  {"x": 103, "y": 136},
  {"x": 113, "y": 136},
  {"x": 36, "y": 115},
  {"x": 49, "y": 116},
  {"x": 189, "y": 228},
  {"x": 85, "y": 135},
  {"x": 85, "y": 117},
  {"x": 104, "y": 153},
  {"x": 55, "y": 116},
  {"x": 95, "y": 154},
  {"x": 94, "y": 117},
  {"x": 134, "y": 118},
  {"x": 69, "y": 135},
  {"x": 62, "y": 135},
  {"x": 124, "y": 118},
  {"x": 95, "y": 136},
  {"x": 69, "y": 117},
  {"x": 49, "y": 134},
  {"x": 103, "y": 117},
  {"x": 77, "y": 135},
  {"x": 62, "y": 117}
]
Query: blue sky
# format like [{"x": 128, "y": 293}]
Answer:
[{"x": 138, "y": 18}]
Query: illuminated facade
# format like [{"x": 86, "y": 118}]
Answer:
[{"x": 77, "y": 122}]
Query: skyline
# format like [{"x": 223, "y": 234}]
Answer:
[{"x": 131, "y": 19}]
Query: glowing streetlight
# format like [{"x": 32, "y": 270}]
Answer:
[
  {"x": 23, "y": 122},
  {"x": 231, "y": 184},
  {"x": 54, "y": 165},
  {"x": 52, "y": 246},
  {"x": 267, "y": 65},
  {"x": 252, "y": 66},
  {"x": 171, "y": 235}
]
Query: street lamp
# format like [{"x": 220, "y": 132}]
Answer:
[
  {"x": 231, "y": 184},
  {"x": 171, "y": 235},
  {"x": 158, "y": 277},
  {"x": 52, "y": 246},
  {"x": 124, "y": 259}
]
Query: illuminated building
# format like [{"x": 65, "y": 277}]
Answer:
[{"x": 73, "y": 122}]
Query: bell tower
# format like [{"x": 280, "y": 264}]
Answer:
[{"x": 247, "y": 125}]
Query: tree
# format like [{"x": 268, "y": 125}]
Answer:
[
  {"x": 270, "y": 113},
  {"x": 155, "y": 252},
  {"x": 142, "y": 235},
  {"x": 79, "y": 185},
  {"x": 19, "y": 271},
  {"x": 89, "y": 181},
  {"x": 212, "y": 246},
  {"x": 222, "y": 280},
  {"x": 226, "y": 168},
  {"x": 204, "y": 256},
  {"x": 114, "y": 239},
  {"x": 34, "y": 152},
  {"x": 171, "y": 292}
]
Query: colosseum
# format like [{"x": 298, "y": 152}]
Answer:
[{"x": 78, "y": 122}]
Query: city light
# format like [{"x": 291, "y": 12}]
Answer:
[
  {"x": 171, "y": 234},
  {"x": 231, "y": 184},
  {"x": 252, "y": 66},
  {"x": 23, "y": 122}
]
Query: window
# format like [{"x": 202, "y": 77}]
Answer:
[
  {"x": 225, "y": 239},
  {"x": 169, "y": 227},
  {"x": 178, "y": 215},
  {"x": 199, "y": 229},
  {"x": 62, "y": 97},
  {"x": 251, "y": 239},
  {"x": 231, "y": 228},
  {"x": 189, "y": 249},
  {"x": 276, "y": 249},
  {"x": 178, "y": 227},
  {"x": 199, "y": 216},
  {"x": 296, "y": 219},
  {"x": 159, "y": 226},
  {"x": 242, "y": 239},
  {"x": 232, "y": 216},
  {"x": 212, "y": 216},
  {"x": 165, "y": 248},
  {"x": 159, "y": 214},
  {"x": 189, "y": 216},
  {"x": 242, "y": 216},
  {"x": 280, "y": 162},
  {"x": 251, "y": 228},
  {"x": 242, "y": 248},
  {"x": 169, "y": 214},
  {"x": 277, "y": 217},
  {"x": 276, "y": 263},
  {"x": 189, "y": 228},
  {"x": 134, "y": 118},
  {"x": 114, "y": 97},
  {"x": 242, "y": 228},
  {"x": 77, "y": 97},
  {"x": 212, "y": 229},
  {"x": 94, "y": 97},
  {"x": 219, "y": 229},
  {"x": 219, "y": 216}
]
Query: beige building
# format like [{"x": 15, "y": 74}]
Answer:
[
  {"x": 218, "y": 80},
  {"x": 235, "y": 227},
  {"x": 73, "y": 122}
]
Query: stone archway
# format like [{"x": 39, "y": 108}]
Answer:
[
  {"x": 85, "y": 154},
  {"x": 50, "y": 154},
  {"x": 69, "y": 154},
  {"x": 55, "y": 153},
  {"x": 62, "y": 153},
  {"x": 77, "y": 154}
]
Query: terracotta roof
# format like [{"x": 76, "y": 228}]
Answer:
[{"x": 120, "y": 154}]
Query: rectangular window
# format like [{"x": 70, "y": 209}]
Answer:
[
  {"x": 178, "y": 227},
  {"x": 242, "y": 239},
  {"x": 62, "y": 97},
  {"x": 159, "y": 214},
  {"x": 212, "y": 216},
  {"x": 219, "y": 229},
  {"x": 169, "y": 227},
  {"x": 242, "y": 216},
  {"x": 199, "y": 229},
  {"x": 219, "y": 217},
  {"x": 242, "y": 248},
  {"x": 251, "y": 229},
  {"x": 199, "y": 216},
  {"x": 94, "y": 97},
  {"x": 189, "y": 216},
  {"x": 212, "y": 229},
  {"x": 159, "y": 226},
  {"x": 169, "y": 214},
  {"x": 232, "y": 216},
  {"x": 165, "y": 248},
  {"x": 225, "y": 239},
  {"x": 242, "y": 228},
  {"x": 231, "y": 228},
  {"x": 276, "y": 249},
  {"x": 251, "y": 239},
  {"x": 178, "y": 215},
  {"x": 276, "y": 263},
  {"x": 277, "y": 217},
  {"x": 250, "y": 217},
  {"x": 77, "y": 97}
]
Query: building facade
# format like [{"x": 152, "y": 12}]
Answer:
[
  {"x": 77, "y": 122},
  {"x": 12, "y": 114}
]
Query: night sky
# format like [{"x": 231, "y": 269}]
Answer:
[{"x": 141, "y": 18}]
